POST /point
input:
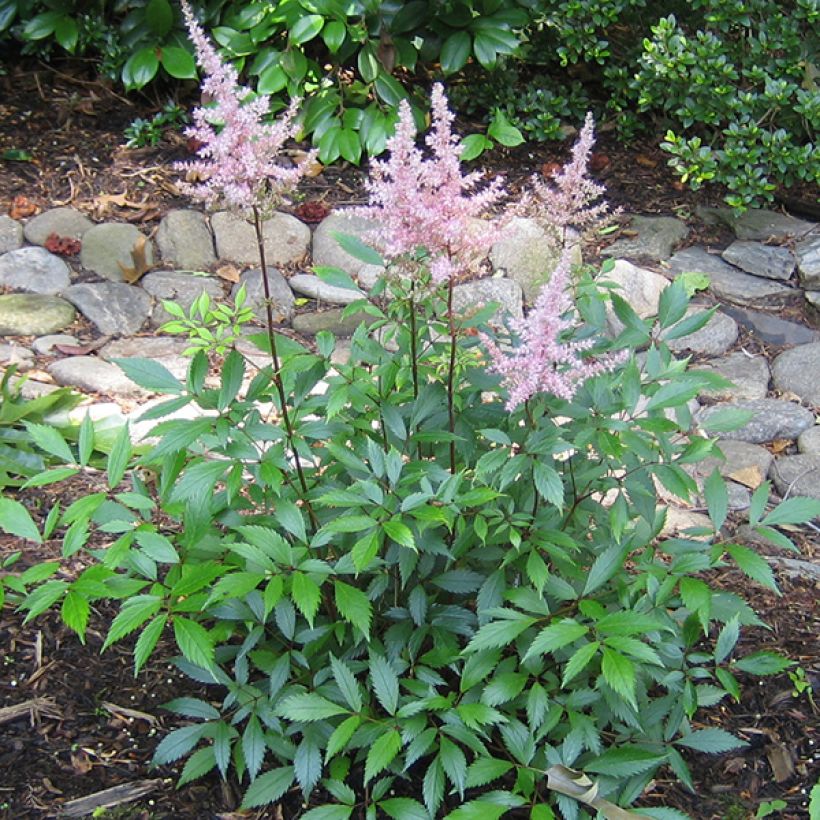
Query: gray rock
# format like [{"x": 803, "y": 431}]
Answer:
[
  {"x": 657, "y": 235},
  {"x": 759, "y": 224},
  {"x": 44, "y": 346},
  {"x": 368, "y": 276},
  {"x": 808, "y": 262},
  {"x": 473, "y": 295},
  {"x": 749, "y": 376},
  {"x": 332, "y": 320},
  {"x": 798, "y": 371},
  {"x": 182, "y": 288},
  {"x": 17, "y": 355},
  {"x": 738, "y": 456},
  {"x": 113, "y": 307},
  {"x": 65, "y": 222},
  {"x": 640, "y": 287},
  {"x": 772, "y": 419},
  {"x": 769, "y": 261},
  {"x": 528, "y": 254},
  {"x": 30, "y": 389},
  {"x": 166, "y": 350},
  {"x": 797, "y": 475},
  {"x": 795, "y": 568},
  {"x": 286, "y": 239},
  {"x": 33, "y": 314},
  {"x": 313, "y": 286},
  {"x": 107, "y": 246},
  {"x": 34, "y": 270},
  {"x": 327, "y": 251},
  {"x": 94, "y": 375},
  {"x": 809, "y": 442},
  {"x": 713, "y": 339},
  {"x": 770, "y": 328},
  {"x": 282, "y": 300},
  {"x": 185, "y": 240},
  {"x": 729, "y": 283},
  {"x": 11, "y": 234},
  {"x": 813, "y": 300}
]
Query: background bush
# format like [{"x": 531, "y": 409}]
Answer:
[{"x": 731, "y": 84}]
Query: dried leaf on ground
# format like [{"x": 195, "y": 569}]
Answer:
[{"x": 133, "y": 273}]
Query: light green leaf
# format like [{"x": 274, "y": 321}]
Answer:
[
  {"x": 763, "y": 663},
  {"x": 268, "y": 787},
  {"x": 498, "y": 634},
  {"x": 579, "y": 661},
  {"x": 15, "y": 520},
  {"x": 555, "y": 637},
  {"x": 346, "y": 681},
  {"x": 712, "y": 741},
  {"x": 150, "y": 374},
  {"x": 49, "y": 439},
  {"x": 194, "y": 641},
  {"x": 381, "y": 754},
  {"x": 306, "y": 595},
  {"x": 619, "y": 673},
  {"x": 753, "y": 565},
  {"x": 385, "y": 683},
  {"x": 358, "y": 249},
  {"x": 309, "y": 707}
]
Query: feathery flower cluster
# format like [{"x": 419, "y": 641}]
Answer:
[
  {"x": 568, "y": 201},
  {"x": 542, "y": 363},
  {"x": 428, "y": 203},
  {"x": 239, "y": 157}
]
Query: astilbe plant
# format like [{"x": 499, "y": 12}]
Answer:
[{"x": 423, "y": 630}]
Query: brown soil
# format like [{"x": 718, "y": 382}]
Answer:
[{"x": 90, "y": 725}]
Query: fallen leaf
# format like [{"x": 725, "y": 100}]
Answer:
[
  {"x": 751, "y": 477},
  {"x": 734, "y": 765},
  {"x": 62, "y": 245},
  {"x": 312, "y": 211},
  {"x": 135, "y": 272},
  {"x": 645, "y": 161},
  {"x": 550, "y": 169},
  {"x": 781, "y": 762},
  {"x": 779, "y": 445},
  {"x": 103, "y": 203},
  {"x": 599, "y": 162},
  {"x": 313, "y": 167},
  {"x": 81, "y": 763},
  {"x": 22, "y": 207},
  {"x": 228, "y": 272}
]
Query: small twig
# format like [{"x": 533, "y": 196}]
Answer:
[{"x": 34, "y": 708}]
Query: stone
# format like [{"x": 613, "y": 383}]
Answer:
[
  {"x": 167, "y": 350},
  {"x": 30, "y": 389},
  {"x": 797, "y": 475},
  {"x": 713, "y": 339},
  {"x": 114, "y": 308},
  {"x": 769, "y": 261},
  {"x": 141, "y": 428},
  {"x": 813, "y": 300},
  {"x": 11, "y": 234},
  {"x": 185, "y": 240},
  {"x": 108, "y": 414},
  {"x": 33, "y": 314},
  {"x": 182, "y": 288},
  {"x": 107, "y": 246},
  {"x": 20, "y": 356},
  {"x": 809, "y": 441},
  {"x": 797, "y": 371},
  {"x": 332, "y": 320},
  {"x": 368, "y": 275},
  {"x": 770, "y": 328},
  {"x": 94, "y": 375},
  {"x": 796, "y": 568},
  {"x": 741, "y": 460},
  {"x": 44, "y": 345},
  {"x": 640, "y": 287},
  {"x": 286, "y": 239},
  {"x": 656, "y": 237},
  {"x": 760, "y": 224},
  {"x": 749, "y": 376},
  {"x": 772, "y": 419},
  {"x": 327, "y": 251},
  {"x": 313, "y": 286},
  {"x": 528, "y": 254},
  {"x": 729, "y": 283},
  {"x": 474, "y": 295},
  {"x": 808, "y": 262},
  {"x": 34, "y": 270},
  {"x": 282, "y": 300},
  {"x": 67, "y": 223}
]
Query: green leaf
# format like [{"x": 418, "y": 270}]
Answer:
[
  {"x": 711, "y": 741},
  {"x": 579, "y": 661},
  {"x": 358, "y": 249},
  {"x": 233, "y": 370},
  {"x": 498, "y": 634},
  {"x": 336, "y": 277},
  {"x": 118, "y": 457},
  {"x": 306, "y": 28},
  {"x": 41, "y": 26},
  {"x": 793, "y": 511},
  {"x": 725, "y": 420},
  {"x": 385, "y": 683},
  {"x": 194, "y": 641},
  {"x": 334, "y": 34},
  {"x": 159, "y": 16},
  {"x": 604, "y": 567},
  {"x": 502, "y": 131},
  {"x": 272, "y": 80},
  {"x": 399, "y": 532},
  {"x": 717, "y": 498},
  {"x": 346, "y": 681},
  {"x": 381, "y": 754},
  {"x": 484, "y": 770},
  {"x": 727, "y": 639},
  {"x": 454, "y": 764},
  {"x": 548, "y": 483},
  {"x": 432, "y": 786},
  {"x": 403, "y": 808},
  {"x": 329, "y": 812},
  {"x": 455, "y": 51},
  {"x": 341, "y": 735},
  {"x": 147, "y": 641},
  {"x": 150, "y": 374},
  {"x": 253, "y": 746},
  {"x": 625, "y": 761},
  {"x": 474, "y": 146},
  {"x": 753, "y": 565},
  {"x": 478, "y": 810},
  {"x": 763, "y": 663},
  {"x": 555, "y": 637},
  {"x": 157, "y": 547},
  {"x": 619, "y": 673},
  {"x": 197, "y": 765},
  {"x": 49, "y": 439},
  {"x": 74, "y": 612},
  {"x": 308, "y": 707},
  {"x": 178, "y": 62},
  {"x": 268, "y": 787},
  {"x": 15, "y": 520},
  {"x": 814, "y": 802},
  {"x": 178, "y": 743},
  {"x": 140, "y": 68},
  {"x": 306, "y": 595}
]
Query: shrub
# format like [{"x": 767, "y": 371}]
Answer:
[{"x": 409, "y": 590}]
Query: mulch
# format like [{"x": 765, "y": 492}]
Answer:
[{"x": 74, "y": 722}]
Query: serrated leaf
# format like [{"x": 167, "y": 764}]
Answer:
[
  {"x": 49, "y": 439},
  {"x": 717, "y": 498},
  {"x": 753, "y": 565},
  {"x": 432, "y": 786},
  {"x": 194, "y": 641},
  {"x": 150, "y": 374},
  {"x": 400, "y": 533},
  {"x": 727, "y": 639},
  {"x": 625, "y": 761},
  {"x": 497, "y": 634},
  {"x": 358, "y": 249},
  {"x": 403, "y": 808},
  {"x": 331, "y": 812},
  {"x": 15, "y": 520},
  {"x": 579, "y": 661},
  {"x": 381, "y": 754},
  {"x": 147, "y": 641},
  {"x": 253, "y": 746},
  {"x": 268, "y": 787},
  {"x": 340, "y": 736},
  {"x": 454, "y": 764},
  {"x": 619, "y": 673},
  {"x": 118, "y": 457},
  {"x": 763, "y": 663},
  {"x": 711, "y": 741},
  {"x": 308, "y": 707},
  {"x": 135, "y": 612},
  {"x": 354, "y": 606},
  {"x": 306, "y": 595},
  {"x": 385, "y": 683},
  {"x": 484, "y": 770},
  {"x": 178, "y": 743},
  {"x": 555, "y": 637},
  {"x": 549, "y": 484},
  {"x": 193, "y": 708},
  {"x": 477, "y": 810},
  {"x": 793, "y": 511},
  {"x": 346, "y": 681}
]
